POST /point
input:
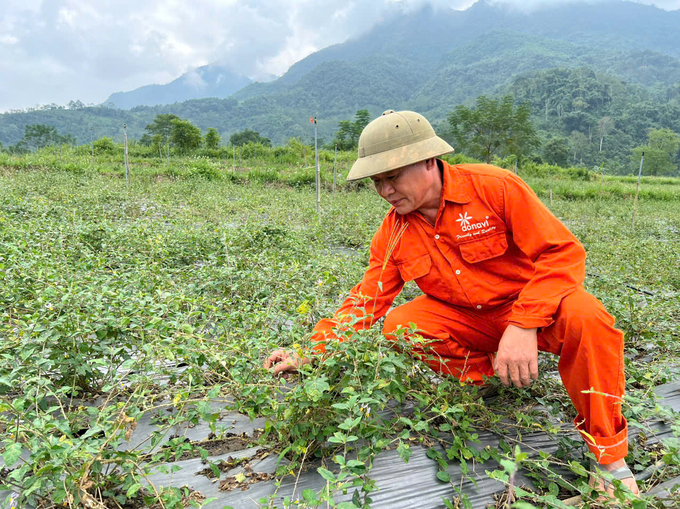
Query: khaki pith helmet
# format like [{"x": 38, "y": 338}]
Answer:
[{"x": 393, "y": 140}]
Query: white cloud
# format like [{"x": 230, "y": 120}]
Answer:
[
  {"x": 58, "y": 50},
  {"x": 8, "y": 39}
]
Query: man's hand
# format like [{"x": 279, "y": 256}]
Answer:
[
  {"x": 284, "y": 361},
  {"x": 517, "y": 357}
]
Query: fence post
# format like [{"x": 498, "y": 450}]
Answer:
[
  {"x": 318, "y": 170},
  {"x": 127, "y": 163},
  {"x": 335, "y": 167},
  {"x": 637, "y": 190}
]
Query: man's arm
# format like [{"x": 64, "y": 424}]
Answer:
[
  {"x": 368, "y": 301},
  {"x": 558, "y": 257},
  {"x": 559, "y": 261}
]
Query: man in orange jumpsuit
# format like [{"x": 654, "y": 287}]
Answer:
[{"x": 501, "y": 276}]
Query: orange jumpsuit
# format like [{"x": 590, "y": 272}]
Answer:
[{"x": 496, "y": 256}]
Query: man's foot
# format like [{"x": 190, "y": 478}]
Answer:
[{"x": 617, "y": 470}]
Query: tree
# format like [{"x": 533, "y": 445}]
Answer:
[
  {"x": 104, "y": 145},
  {"x": 603, "y": 127},
  {"x": 212, "y": 139},
  {"x": 347, "y": 137},
  {"x": 249, "y": 136},
  {"x": 162, "y": 126},
  {"x": 579, "y": 144},
  {"x": 556, "y": 151},
  {"x": 39, "y": 136},
  {"x": 361, "y": 119},
  {"x": 185, "y": 135},
  {"x": 76, "y": 105},
  {"x": 493, "y": 126},
  {"x": 660, "y": 151}
]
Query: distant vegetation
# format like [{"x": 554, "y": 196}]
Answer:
[{"x": 596, "y": 91}]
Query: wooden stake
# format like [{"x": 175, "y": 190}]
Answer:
[
  {"x": 637, "y": 190},
  {"x": 127, "y": 163},
  {"x": 335, "y": 168},
  {"x": 318, "y": 171}
]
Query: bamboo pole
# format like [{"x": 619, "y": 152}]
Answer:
[
  {"x": 318, "y": 170},
  {"x": 335, "y": 169},
  {"x": 127, "y": 162},
  {"x": 637, "y": 190}
]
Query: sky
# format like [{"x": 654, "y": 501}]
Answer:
[{"x": 54, "y": 51}]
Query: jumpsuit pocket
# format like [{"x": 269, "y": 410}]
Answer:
[
  {"x": 484, "y": 249},
  {"x": 415, "y": 268}
]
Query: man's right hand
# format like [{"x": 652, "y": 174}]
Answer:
[{"x": 285, "y": 361}]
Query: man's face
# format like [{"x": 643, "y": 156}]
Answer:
[{"x": 407, "y": 188}]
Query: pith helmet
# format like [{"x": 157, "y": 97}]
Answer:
[{"x": 393, "y": 140}]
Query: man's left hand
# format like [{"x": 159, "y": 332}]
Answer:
[{"x": 517, "y": 357}]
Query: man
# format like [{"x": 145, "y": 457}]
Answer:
[{"x": 501, "y": 276}]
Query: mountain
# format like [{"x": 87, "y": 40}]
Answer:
[
  {"x": 206, "y": 81},
  {"x": 426, "y": 36},
  {"x": 430, "y": 61}
]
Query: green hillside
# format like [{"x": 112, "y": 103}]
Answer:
[{"x": 433, "y": 60}]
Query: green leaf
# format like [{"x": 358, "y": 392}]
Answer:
[
  {"x": 443, "y": 476},
  {"x": 11, "y": 454},
  {"x": 346, "y": 505},
  {"x": 404, "y": 451},
  {"x": 421, "y": 426},
  {"x": 326, "y": 474},
  {"x": 132, "y": 490},
  {"x": 356, "y": 500},
  {"x": 316, "y": 387},
  {"x": 309, "y": 496}
]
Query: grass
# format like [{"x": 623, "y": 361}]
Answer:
[{"x": 103, "y": 286}]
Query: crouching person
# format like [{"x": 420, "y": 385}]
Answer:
[{"x": 502, "y": 278}]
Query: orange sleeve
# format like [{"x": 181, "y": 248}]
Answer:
[
  {"x": 559, "y": 258},
  {"x": 371, "y": 298}
]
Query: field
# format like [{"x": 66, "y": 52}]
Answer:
[{"x": 160, "y": 299}]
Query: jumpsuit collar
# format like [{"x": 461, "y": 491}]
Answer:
[{"x": 455, "y": 188}]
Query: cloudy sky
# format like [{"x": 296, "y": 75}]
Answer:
[{"x": 61, "y": 50}]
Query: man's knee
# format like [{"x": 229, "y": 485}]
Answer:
[
  {"x": 583, "y": 308},
  {"x": 581, "y": 315},
  {"x": 395, "y": 319}
]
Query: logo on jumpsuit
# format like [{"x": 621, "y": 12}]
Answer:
[{"x": 466, "y": 225}]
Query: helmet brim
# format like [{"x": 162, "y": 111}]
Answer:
[{"x": 389, "y": 160}]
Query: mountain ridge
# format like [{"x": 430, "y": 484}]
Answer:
[
  {"x": 205, "y": 81},
  {"x": 464, "y": 54}
]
